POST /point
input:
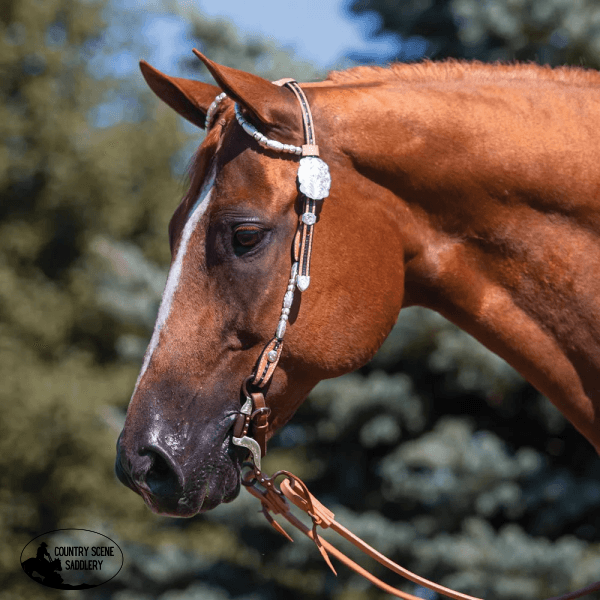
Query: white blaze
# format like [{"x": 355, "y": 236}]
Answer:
[{"x": 175, "y": 272}]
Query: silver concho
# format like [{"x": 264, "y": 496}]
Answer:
[
  {"x": 309, "y": 218},
  {"x": 314, "y": 178}
]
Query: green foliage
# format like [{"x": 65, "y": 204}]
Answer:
[
  {"x": 551, "y": 32},
  {"x": 83, "y": 256},
  {"x": 62, "y": 184}
]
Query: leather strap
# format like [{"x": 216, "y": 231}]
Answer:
[
  {"x": 265, "y": 367},
  {"x": 260, "y": 420},
  {"x": 304, "y": 236},
  {"x": 310, "y": 147},
  {"x": 303, "y": 244},
  {"x": 294, "y": 489}
]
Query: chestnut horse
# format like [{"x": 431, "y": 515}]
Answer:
[{"x": 470, "y": 189}]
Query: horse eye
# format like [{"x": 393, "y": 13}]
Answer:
[{"x": 245, "y": 238}]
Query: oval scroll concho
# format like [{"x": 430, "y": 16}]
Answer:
[
  {"x": 72, "y": 559},
  {"x": 314, "y": 178}
]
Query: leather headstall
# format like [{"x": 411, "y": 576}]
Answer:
[{"x": 314, "y": 181}]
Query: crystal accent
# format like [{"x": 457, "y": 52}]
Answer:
[
  {"x": 272, "y": 356},
  {"x": 314, "y": 178},
  {"x": 309, "y": 218}
]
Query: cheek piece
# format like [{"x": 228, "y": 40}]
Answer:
[{"x": 314, "y": 182}]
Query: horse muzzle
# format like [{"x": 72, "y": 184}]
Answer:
[{"x": 179, "y": 484}]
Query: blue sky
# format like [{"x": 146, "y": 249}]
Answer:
[{"x": 320, "y": 31}]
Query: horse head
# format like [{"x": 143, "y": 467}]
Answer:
[{"x": 232, "y": 241}]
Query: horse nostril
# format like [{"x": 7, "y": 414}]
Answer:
[{"x": 159, "y": 474}]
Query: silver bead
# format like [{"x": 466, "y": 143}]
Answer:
[
  {"x": 212, "y": 109},
  {"x": 272, "y": 356},
  {"x": 284, "y": 317},
  {"x": 288, "y": 299},
  {"x": 275, "y": 145},
  {"x": 249, "y": 129},
  {"x": 280, "y": 330},
  {"x": 285, "y": 312},
  {"x": 309, "y": 218}
]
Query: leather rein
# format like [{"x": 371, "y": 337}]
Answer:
[{"x": 251, "y": 425}]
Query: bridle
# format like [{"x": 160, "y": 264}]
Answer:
[
  {"x": 250, "y": 428},
  {"x": 314, "y": 182}
]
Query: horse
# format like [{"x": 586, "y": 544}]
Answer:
[
  {"x": 466, "y": 188},
  {"x": 46, "y": 570}
]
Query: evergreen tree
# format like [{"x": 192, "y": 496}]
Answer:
[{"x": 545, "y": 31}]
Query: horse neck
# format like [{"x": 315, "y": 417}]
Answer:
[{"x": 485, "y": 179}]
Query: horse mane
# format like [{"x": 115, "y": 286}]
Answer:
[{"x": 451, "y": 70}]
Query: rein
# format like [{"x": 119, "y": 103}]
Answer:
[{"x": 251, "y": 425}]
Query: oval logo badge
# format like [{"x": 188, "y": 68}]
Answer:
[{"x": 72, "y": 559}]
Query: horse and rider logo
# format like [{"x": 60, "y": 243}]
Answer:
[
  {"x": 42, "y": 570},
  {"x": 71, "y": 559}
]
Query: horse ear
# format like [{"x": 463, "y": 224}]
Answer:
[
  {"x": 270, "y": 103},
  {"x": 189, "y": 98}
]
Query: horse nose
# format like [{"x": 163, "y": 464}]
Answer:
[{"x": 152, "y": 469}]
